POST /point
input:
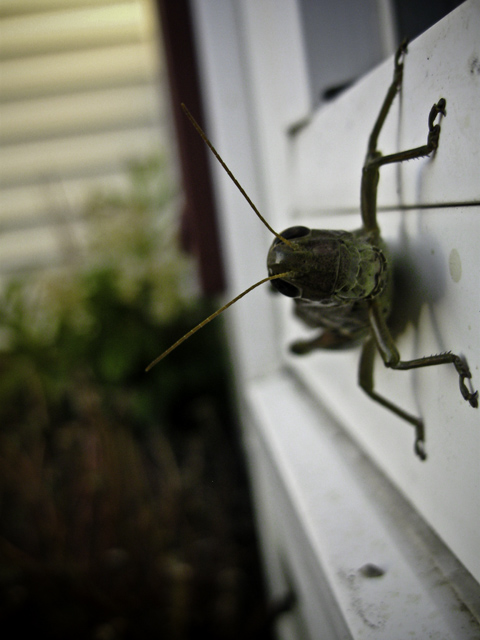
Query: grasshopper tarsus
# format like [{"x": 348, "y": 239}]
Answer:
[
  {"x": 464, "y": 373},
  {"x": 400, "y": 53},
  {"x": 434, "y": 129},
  {"x": 419, "y": 448},
  {"x": 438, "y": 108},
  {"x": 398, "y": 64}
]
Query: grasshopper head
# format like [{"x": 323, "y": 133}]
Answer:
[{"x": 330, "y": 267}]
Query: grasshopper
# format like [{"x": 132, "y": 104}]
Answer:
[{"x": 341, "y": 281}]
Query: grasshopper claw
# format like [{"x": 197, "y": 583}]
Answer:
[{"x": 420, "y": 448}]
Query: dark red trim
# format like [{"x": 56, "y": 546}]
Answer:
[{"x": 199, "y": 227}]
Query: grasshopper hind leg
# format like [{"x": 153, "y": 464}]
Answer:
[
  {"x": 366, "y": 382},
  {"x": 382, "y": 340},
  {"x": 329, "y": 339},
  {"x": 458, "y": 362},
  {"x": 334, "y": 340}
]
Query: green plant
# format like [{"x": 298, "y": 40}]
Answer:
[
  {"x": 103, "y": 318},
  {"x": 123, "y": 505}
]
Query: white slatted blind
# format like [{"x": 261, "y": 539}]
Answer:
[{"x": 80, "y": 94}]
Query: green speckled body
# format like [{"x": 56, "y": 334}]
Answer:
[{"x": 334, "y": 276}]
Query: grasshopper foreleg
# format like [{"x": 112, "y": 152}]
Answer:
[
  {"x": 387, "y": 103},
  {"x": 418, "y": 152},
  {"x": 370, "y": 174},
  {"x": 371, "y": 168},
  {"x": 374, "y": 159}
]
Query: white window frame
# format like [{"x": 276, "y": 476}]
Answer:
[{"x": 336, "y": 483}]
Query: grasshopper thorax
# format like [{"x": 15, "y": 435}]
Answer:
[{"x": 330, "y": 267}]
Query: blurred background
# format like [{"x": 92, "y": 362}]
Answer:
[{"x": 124, "y": 506}]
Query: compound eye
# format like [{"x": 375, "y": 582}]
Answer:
[
  {"x": 292, "y": 233},
  {"x": 285, "y": 288}
]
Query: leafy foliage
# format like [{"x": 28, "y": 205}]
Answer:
[{"x": 123, "y": 504}]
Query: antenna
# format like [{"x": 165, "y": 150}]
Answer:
[
  {"x": 232, "y": 177},
  {"x": 253, "y": 286},
  {"x": 211, "y": 317}
]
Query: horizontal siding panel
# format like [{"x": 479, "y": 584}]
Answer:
[
  {"x": 330, "y": 152},
  {"x": 35, "y": 248},
  {"x": 73, "y": 29},
  {"x": 21, "y": 7},
  {"x": 82, "y": 96},
  {"x": 79, "y": 113},
  {"x": 48, "y": 203},
  {"x": 67, "y": 157},
  {"x": 79, "y": 71}
]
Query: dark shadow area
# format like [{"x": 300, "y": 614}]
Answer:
[{"x": 125, "y": 508}]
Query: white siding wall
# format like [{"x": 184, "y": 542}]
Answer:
[{"x": 80, "y": 95}]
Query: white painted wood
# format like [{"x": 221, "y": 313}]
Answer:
[
  {"x": 446, "y": 489},
  {"x": 308, "y": 473},
  {"x": 444, "y": 62},
  {"x": 232, "y": 125},
  {"x": 321, "y": 515}
]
